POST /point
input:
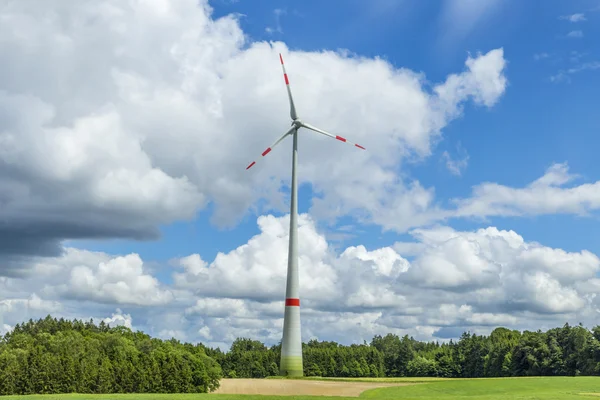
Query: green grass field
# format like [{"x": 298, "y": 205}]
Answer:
[
  {"x": 550, "y": 388},
  {"x": 495, "y": 389}
]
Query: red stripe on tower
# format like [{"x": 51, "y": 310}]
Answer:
[
  {"x": 340, "y": 138},
  {"x": 292, "y": 302},
  {"x": 266, "y": 152}
]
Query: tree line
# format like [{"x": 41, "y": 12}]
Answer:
[
  {"x": 565, "y": 351},
  {"x": 61, "y": 356},
  {"x": 52, "y": 356}
]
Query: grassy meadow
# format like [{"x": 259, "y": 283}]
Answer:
[{"x": 550, "y": 388}]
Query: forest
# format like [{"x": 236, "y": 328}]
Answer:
[{"x": 61, "y": 356}]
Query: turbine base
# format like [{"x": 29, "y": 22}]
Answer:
[{"x": 291, "y": 366}]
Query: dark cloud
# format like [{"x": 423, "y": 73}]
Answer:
[{"x": 40, "y": 234}]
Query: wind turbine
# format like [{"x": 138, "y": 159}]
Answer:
[{"x": 291, "y": 346}]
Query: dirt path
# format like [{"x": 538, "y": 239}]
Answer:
[{"x": 298, "y": 387}]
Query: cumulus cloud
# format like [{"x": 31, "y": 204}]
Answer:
[
  {"x": 456, "y": 264},
  {"x": 277, "y": 13},
  {"x": 121, "y": 280},
  {"x": 90, "y": 276},
  {"x": 455, "y": 280},
  {"x": 258, "y": 269},
  {"x": 552, "y": 193},
  {"x": 476, "y": 280},
  {"x": 119, "y": 319},
  {"x": 545, "y": 195},
  {"x": 577, "y": 17},
  {"x": 16, "y": 309},
  {"x": 575, "y": 34},
  {"x": 565, "y": 75},
  {"x": 34, "y": 302},
  {"x": 124, "y": 129},
  {"x": 456, "y": 165},
  {"x": 511, "y": 275},
  {"x": 484, "y": 82},
  {"x": 4, "y": 329}
]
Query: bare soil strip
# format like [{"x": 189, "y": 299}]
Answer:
[{"x": 289, "y": 387}]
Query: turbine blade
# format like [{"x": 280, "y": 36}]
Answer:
[
  {"x": 287, "y": 85},
  {"x": 268, "y": 150},
  {"x": 312, "y": 128}
]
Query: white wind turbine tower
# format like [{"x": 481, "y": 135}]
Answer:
[{"x": 291, "y": 346}]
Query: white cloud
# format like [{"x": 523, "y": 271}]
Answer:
[
  {"x": 560, "y": 77},
  {"x": 455, "y": 264},
  {"x": 378, "y": 197},
  {"x": 119, "y": 319},
  {"x": 485, "y": 82},
  {"x": 507, "y": 273},
  {"x": 258, "y": 269},
  {"x": 33, "y": 302},
  {"x": 546, "y": 195},
  {"x": 454, "y": 281},
  {"x": 15, "y": 309},
  {"x": 575, "y": 34},
  {"x": 216, "y": 307},
  {"x": 456, "y": 165},
  {"x": 277, "y": 13},
  {"x": 204, "y": 333},
  {"x": 552, "y": 193},
  {"x": 588, "y": 66},
  {"x": 457, "y": 279},
  {"x": 121, "y": 280},
  {"x": 4, "y": 329},
  {"x": 565, "y": 75},
  {"x": 95, "y": 277},
  {"x": 127, "y": 129},
  {"x": 577, "y": 17}
]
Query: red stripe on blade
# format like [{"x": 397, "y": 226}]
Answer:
[
  {"x": 359, "y": 146},
  {"x": 250, "y": 166},
  {"x": 340, "y": 138},
  {"x": 280, "y": 58},
  {"x": 266, "y": 152},
  {"x": 287, "y": 82},
  {"x": 292, "y": 302}
]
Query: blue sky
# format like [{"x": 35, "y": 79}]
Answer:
[{"x": 479, "y": 188}]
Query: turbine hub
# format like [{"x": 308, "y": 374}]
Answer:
[{"x": 297, "y": 123}]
